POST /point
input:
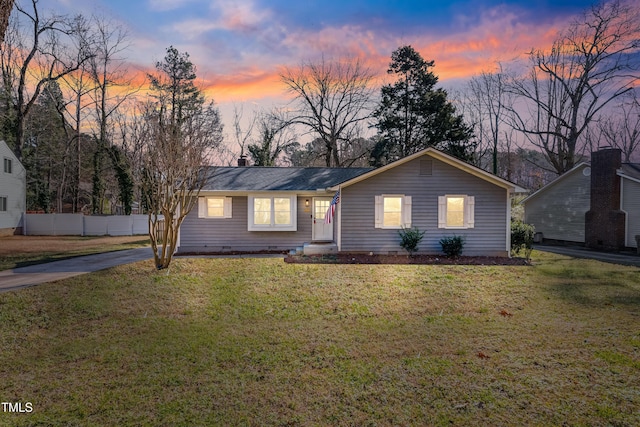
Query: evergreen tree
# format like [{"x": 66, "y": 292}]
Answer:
[{"x": 413, "y": 114}]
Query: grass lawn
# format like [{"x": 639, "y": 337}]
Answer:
[
  {"x": 259, "y": 342},
  {"x": 21, "y": 251}
]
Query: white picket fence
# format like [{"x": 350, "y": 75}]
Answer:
[{"x": 83, "y": 225}]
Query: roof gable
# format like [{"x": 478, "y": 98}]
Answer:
[
  {"x": 577, "y": 168},
  {"x": 445, "y": 158},
  {"x": 628, "y": 170},
  {"x": 5, "y": 151}
]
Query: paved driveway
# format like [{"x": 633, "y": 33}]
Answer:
[
  {"x": 579, "y": 252},
  {"x": 22, "y": 277}
]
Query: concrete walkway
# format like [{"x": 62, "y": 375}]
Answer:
[
  {"x": 22, "y": 277},
  {"x": 580, "y": 252}
]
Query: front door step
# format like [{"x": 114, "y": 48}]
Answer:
[{"x": 320, "y": 248}]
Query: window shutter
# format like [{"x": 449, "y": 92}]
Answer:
[
  {"x": 442, "y": 211},
  {"x": 406, "y": 211},
  {"x": 202, "y": 207},
  {"x": 470, "y": 207},
  {"x": 379, "y": 212},
  {"x": 227, "y": 207}
]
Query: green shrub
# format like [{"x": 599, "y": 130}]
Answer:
[
  {"x": 452, "y": 246},
  {"x": 522, "y": 238},
  {"x": 410, "y": 239}
]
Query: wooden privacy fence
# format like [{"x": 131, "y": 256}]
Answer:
[{"x": 84, "y": 225}]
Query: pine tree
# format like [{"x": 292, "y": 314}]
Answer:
[{"x": 413, "y": 114}]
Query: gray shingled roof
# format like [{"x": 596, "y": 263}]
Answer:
[
  {"x": 254, "y": 178},
  {"x": 631, "y": 169}
]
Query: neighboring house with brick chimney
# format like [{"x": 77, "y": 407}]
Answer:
[
  {"x": 249, "y": 208},
  {"x": 596, "y": 203}
]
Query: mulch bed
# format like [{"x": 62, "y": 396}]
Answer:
[{"x": 403, "y": 259}]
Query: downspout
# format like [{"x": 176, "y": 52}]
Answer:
[
  {"x": 339, "y": 216},
  {"x": 626, "y": 216},
  {"x": 508, "y": 239}
]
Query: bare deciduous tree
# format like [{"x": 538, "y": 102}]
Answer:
[
  {"x": 593, "y": 62},
  {"x": 242, "y": 136},
  {"x": 489, "y": 101},
  {"x": 275, "y": 137},
  {"x": 106, "y": 69},
  {"x": 333, "y": 101},
  {"x": 44, "y": 50},
  {"x": 621, "y": 129}
]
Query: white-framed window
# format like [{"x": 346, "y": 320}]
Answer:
[
  {"x": 272, "y": 213},
  {"x": 3, "y": 203},
  {"x": 214, "y": 207},
  {"x": 456, "y": 211},
  {"x": 8, "y": 165},
  {"x": 393, "y": 211}
]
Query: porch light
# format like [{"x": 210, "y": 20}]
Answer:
[{"x": 306, "y": 203}]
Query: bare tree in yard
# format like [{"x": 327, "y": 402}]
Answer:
[
  {"x": 5, "y": 12},
  {"x": 42, "y": 50},
  {"x": 333, "y": 101},
  {"x": 595, "y": 61},
  {"x": 182, "y": 132}
]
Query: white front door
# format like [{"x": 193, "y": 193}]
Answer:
[{"x": 321, "y": 230}]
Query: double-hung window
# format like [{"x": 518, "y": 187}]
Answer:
[
  {"x": 3, "y": 203},
  {"x": 272, "y": 213},
  {"x": 8, "y": 165},
  {"x": 393, "y": 211},
  {"x": 456, "y": 211},
  {"x": 214, "y": 207}
]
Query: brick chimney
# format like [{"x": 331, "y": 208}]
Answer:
[
  {"x": 605, "y": 222},
  {"x": 242, "y": 161}
]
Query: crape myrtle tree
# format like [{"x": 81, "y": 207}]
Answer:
[
  {"x": 182, "y": 131},
  {"x": 413, "y": 114},
  {"x": 591, "y": 64}
]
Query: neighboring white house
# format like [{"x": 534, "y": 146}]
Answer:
[{"x": 13, "y": 190}]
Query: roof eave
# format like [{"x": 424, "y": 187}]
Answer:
[{"x": 621, "y": 174}]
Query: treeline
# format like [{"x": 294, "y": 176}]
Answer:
[{"x": 89, "y": 135}]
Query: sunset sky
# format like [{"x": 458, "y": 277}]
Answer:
[{"x": 240, "y": 46}]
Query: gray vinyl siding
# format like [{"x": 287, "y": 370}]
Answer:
[
  {"x": 558, "y": 212},
  {"x": 488, "y": 237},
  {"x": 631, "y": 205},
  {"x": 231, "y": 234}
]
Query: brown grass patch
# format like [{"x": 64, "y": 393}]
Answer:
[
  {"x": 12, "y": 245},
  {"x": 20, "y": 251}
]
